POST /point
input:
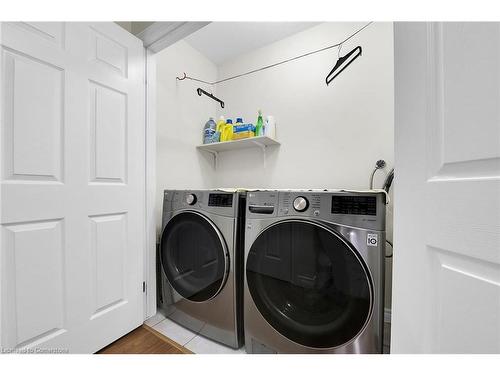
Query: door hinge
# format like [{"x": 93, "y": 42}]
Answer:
[{"x": 144, "y": 287}]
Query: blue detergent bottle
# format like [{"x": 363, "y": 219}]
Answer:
[{"x": 209, "y": 131}]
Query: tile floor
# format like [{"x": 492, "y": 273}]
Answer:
[
  {"x": 201, "y": 345},
  {"x": 190, "y": 340}
]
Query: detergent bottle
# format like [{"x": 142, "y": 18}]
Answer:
[
  {"x": 259, "y": 126},
  {"x": 227, "y": 132},
  {"x": 270, "y": 127},
  {"x": 209, "y": 131},
  {"x": 220, "y": 127},
  {"x": 242, "y": 131}
]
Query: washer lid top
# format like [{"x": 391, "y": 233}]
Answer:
[
  {"x": 309, "y": 284},
  {"x": 194, "y": 256}
]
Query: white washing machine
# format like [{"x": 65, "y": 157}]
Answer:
[
  {"x": 314, "y": 272},
  {"x": 200, "y": 259}
]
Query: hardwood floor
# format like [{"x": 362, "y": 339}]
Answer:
[{"x": 144, "y": 340}]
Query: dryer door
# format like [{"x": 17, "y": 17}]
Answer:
[
  {"x": 309, "y": 284},
  {"x": 194, "y": 256}
]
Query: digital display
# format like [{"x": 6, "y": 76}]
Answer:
[
  {"x": 354, "y": 205},
  {"x": 220, "y": 200}
]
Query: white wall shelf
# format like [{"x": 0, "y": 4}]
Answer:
[{"x": 261, "y": 142}]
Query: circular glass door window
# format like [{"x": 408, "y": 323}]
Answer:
[
  {"x": 309, "y": 284},
  {"x": 194, "y": 256}
]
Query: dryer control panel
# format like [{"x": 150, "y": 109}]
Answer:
[
  {"x": 220, "y": 199},
  {"x": 213, "y": 201}
]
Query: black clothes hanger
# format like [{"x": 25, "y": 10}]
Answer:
[
  {"x": 201, "y": 91},
  {"x": 342, "y": 63}
]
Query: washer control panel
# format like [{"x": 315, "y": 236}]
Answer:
[
  {"x": 291, "y": 203},
  {"x": 354, "y": 205},
  {"x": 261, "y": 203},
  {"x": 190, "y": 199},
  {"x": 363, "y": 209},
  {"x": 300, "y": 204}
]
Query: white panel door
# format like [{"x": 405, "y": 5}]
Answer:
[
  {"x": 72, "y": 185},
  {"x": 446, "y": 281}
]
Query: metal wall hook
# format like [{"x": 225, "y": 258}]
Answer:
[
  {"x": 183, "y": 78},
  {"x": 201, "y": 91}
]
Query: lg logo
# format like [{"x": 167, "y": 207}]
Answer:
[{"x": 372, "y": 239}]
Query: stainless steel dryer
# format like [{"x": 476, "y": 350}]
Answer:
[
  {"x": 314, "y": 272},
  {"x": 201, "y": 261}
]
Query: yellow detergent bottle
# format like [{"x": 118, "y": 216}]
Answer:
[
  {"x": 227, "y": 132},
  {"x": 220, "y": 128}
]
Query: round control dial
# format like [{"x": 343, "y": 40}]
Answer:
[
  {"x": 300, "y": 204},
  {"x": 190, "y": 199}
]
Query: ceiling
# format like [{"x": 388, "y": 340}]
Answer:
[
  {"x": 134, "y": 27},
  {"x": 223, "y": 41}
]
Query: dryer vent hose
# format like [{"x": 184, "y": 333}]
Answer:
[{"x": 388, "y": 181}]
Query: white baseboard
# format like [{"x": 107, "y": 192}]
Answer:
[{"x": 387, "y": 315}]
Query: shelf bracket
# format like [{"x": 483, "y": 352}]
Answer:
[
  {"x": 263, "y": 148},
  {"x": 261, "y": 143},
  {"x": 216, "y": 157}
]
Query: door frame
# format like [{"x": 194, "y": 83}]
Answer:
[
  {"x": 150, "y": 185},
  {"x": 1, "y": 143},
  {"x": 156, "y": 37}
]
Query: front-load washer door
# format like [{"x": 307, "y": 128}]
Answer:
[
  {"x": 194, "y": 256},
  {"x": 309, "y": 284}
]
